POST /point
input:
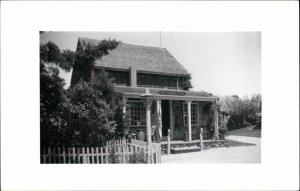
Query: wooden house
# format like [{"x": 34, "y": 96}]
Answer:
[{"x": 141, "y": 69}]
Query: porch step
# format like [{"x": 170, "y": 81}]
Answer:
[{"x": 185, "y": 150}]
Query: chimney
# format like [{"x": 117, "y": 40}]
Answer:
[{"x": 132, "y": 77}]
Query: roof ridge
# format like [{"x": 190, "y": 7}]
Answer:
[
  {"x": 143, "y": 45},
  {"x": 93, "y": 39}
]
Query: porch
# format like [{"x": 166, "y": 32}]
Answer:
[
  {"x": 180, "y": 114},
  {"x": 200, "y": 144}
]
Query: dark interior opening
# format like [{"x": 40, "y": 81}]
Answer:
[{"x": 165, "y": 117}]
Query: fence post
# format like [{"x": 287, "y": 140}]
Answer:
[
  {"x": 169, "y": 141},
  {"x": 201, "y": 139}
]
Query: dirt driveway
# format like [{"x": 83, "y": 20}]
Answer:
[{"x": 244, "y": 147}]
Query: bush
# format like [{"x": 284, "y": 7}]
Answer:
[
  {"x": 242, "y": 112},
  {"x": 113, "y": 155},
  {"x": 138, "y": 157}
]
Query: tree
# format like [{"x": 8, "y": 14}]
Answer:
[
  {"x": 187, "y": 84},
  {"x": 50, "y": 53},
  {"x": 86, "y": 55},
  {"x": 86, "y": 118},
  {"x": 51, "y": 89},
  {"x": 104, "y": 83},
  {"x": 83, "y": 115},
  {"x": 243, "y": 112}
]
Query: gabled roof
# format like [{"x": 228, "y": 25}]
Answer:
[{"x": 142, "y": 58}]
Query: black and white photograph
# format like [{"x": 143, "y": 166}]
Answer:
[
  {"x": 126, "y": 98},
  {"x": 149, "y": 95}
]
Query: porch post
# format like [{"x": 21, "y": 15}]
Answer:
[
  {"x": 158, "y": 118},
  {"x": 148, "y": 123},
  {"x": 189, "y": 119},
  {"x": 216, "y": 121},
  {"x": 149, "y": 99}
]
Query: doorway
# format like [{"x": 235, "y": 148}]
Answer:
[{"x": 165, "y": 114}]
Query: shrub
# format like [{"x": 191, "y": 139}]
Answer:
[{"x": 137, "y": 157}]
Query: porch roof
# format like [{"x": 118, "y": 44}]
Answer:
[{"x": 165, "y": 94}]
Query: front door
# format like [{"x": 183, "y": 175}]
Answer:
[{"x": 165, "y": 114}]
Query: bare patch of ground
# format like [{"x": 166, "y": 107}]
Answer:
[{"x": 244, "y": 147}]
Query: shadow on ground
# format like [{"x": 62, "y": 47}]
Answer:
[
  {"x": 246, "y": 132},
  {"x": 232, "y": 143}
]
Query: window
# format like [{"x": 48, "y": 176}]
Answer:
[
  {"x": 136, "y": 112},
  {"x": 194, "y": 114},
  {"x": 155, "y": 80}
]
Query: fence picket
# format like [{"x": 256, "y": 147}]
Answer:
[
  {"x": 87, "y": 155},
  {"x": 54, "y": 155},
  {"x": 101, "y": 151},
  {"x": 78, "y": 155},
  {"x": 97, "y": 155},
  {"x": 64, "y": 155},
  {"x": 122, "y": 148},
  {"x": 118, "y": 151},
  {"x": 69, "y": 158},
  {"x": 93, "y": 160},
  {"x": 44, "y": 155},
  {"x": 49, "y": 155},
  {"x": 127, "y": 152},
  {"x": 106, "y": 155},
  {"x": 123, "y": 152},
  {"x": 152, "y": 158},
  {"x": 73, "y": 155},
  {"x": 83, "y": 156}
]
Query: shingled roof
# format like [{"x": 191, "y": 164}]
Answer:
[{"x": 142, "y": 58}]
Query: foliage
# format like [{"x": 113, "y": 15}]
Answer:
[
  {"x": 138, "y": 157},
  {"x": 51, "y": 90},
  {"x": 208, "y": 114},
  {"x": 187, "y": 84},
  {"x": 86, "y": 55},
  {"x": 88, "y": 119},
  {"x": 242, "y": 112},
  {"x": 50, "y": 53},
  {"x": 104, "y": 83},
  {"x": 79, "y": 116},
  {"x": 222, "y": 130},
  {"x": 113, "y": 155}
]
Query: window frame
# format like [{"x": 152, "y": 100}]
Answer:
[
  {"x": 196, "y": 115},
  {"x": 131, "y": 113}
]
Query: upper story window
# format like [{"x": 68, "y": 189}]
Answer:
[
  {"x": 159, "y": 81},
  {"x": 194, "y": 114},
  {"x": 121, "y": 77}
]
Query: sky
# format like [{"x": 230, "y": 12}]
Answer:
[{"x": 222, "y": 63}]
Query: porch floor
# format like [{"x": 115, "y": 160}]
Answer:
[{"x": 175, "y": 142}]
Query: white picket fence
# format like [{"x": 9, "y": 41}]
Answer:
[{"x": 117, "y": 151}]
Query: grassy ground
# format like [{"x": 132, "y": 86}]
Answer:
[{"x": 244, "y": 147}]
